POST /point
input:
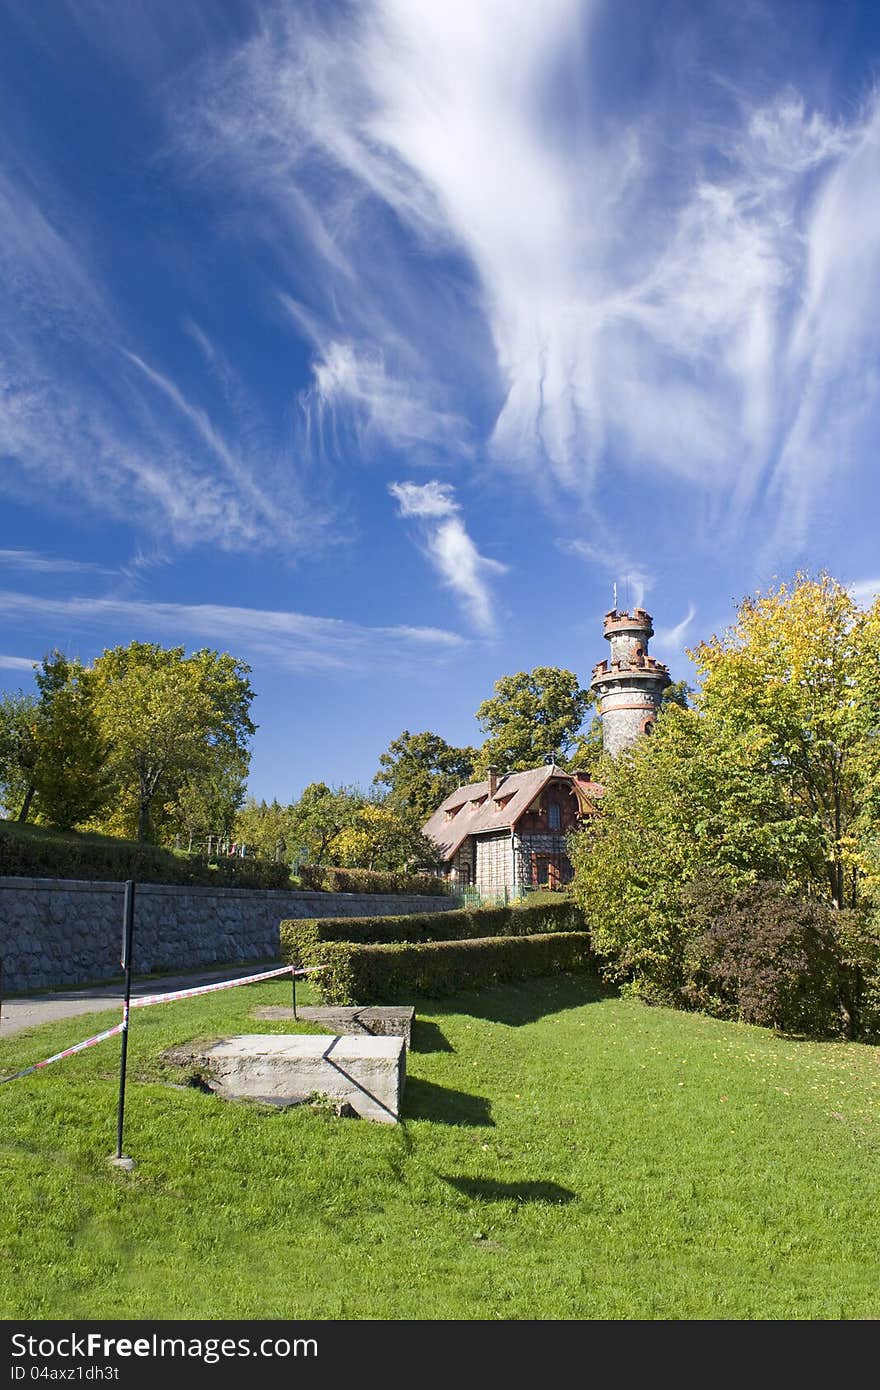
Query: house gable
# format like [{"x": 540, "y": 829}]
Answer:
[{"x": 522, "y": 803}]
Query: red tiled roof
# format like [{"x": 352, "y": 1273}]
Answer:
[{"x": 514, "y": 794}]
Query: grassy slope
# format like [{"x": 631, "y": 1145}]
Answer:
[
  {"x": 564, "y": 1156},
  {"x": 27, "y": 830}
]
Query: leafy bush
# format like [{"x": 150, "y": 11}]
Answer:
[
  {"x": 30, "y": 852},
  {"x": 302, "y": 937},
  {"x": 367, "y": 974},
  {"x": 765, "y": 956},
  {"x": 336, "y": 880}
]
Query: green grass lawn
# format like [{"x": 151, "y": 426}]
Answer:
[{"x": 563, "y": 1156}]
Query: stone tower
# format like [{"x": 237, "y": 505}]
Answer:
[{"x": 629, "y": 685}]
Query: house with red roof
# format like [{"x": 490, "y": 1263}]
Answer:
[{"x": 508, "y": 833}]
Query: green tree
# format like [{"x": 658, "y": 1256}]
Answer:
[
  {"x": 796, "y": 676},
  {"x": 170, "y": 720},
  {"x": 379, "y": 838},
  {"x": 52, "y": 756},
  {"x": 774, "y": 776},
  {"x": 319, "y": 817},
  {"x": 20, "y": 717},
  {"x": 71, "y": 778},
  {"x": 207, "y": 804},
  {"x": 266, "y": 828},
  {"x": 588, "y": 749},
  {"x": 531, "y": 715},
  {"x": 677, "y": 693},
  {"x": 419, "y": 771},
  {"x": 690, "y": 802}
]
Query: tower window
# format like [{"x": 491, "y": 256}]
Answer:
[{"x": 648, "y": 726}]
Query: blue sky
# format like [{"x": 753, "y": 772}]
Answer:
[{"x": 374, "y": 342}]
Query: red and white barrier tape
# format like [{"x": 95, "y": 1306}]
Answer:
[
  {"x": 68, "y": 1052},
  {"x": 143, "y": 1000}
]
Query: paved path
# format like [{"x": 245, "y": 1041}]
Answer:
[{"x": 16, "y": 1014}]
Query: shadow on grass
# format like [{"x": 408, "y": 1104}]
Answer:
[
  {"x": 529, "y": 1000},
  {"x": 488, "y": 1190},
  {"x": 427, "y": 1037},
  {"x": 423, "y": 1100}
]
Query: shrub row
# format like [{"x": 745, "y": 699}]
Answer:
[
  {"x": 365, "y": 974},
  {"x": 459, "y": 924},
  {"x": 334, "y": 880},
  {"x": 44, "y": 856}
]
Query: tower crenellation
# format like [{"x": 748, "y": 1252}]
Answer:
[{"x": 629, "y": 685}]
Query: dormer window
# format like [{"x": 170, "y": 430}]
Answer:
[{"x": 554, "y": 819}]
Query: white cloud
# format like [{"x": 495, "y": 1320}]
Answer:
[
  {"x": 686, "y": 300},
  {"x": 671, "y": 639},
  {"x": 36, "y": 562},
  {"x": 289, "y": 640},
  {"x": 391, "y": 408},
  {"x": 81, "y": 431},
  {"x": 425, "y": 499},
  {"x": 865, "y": 591},
  {"x": 265, "y": 507},
  {"x": 17, "y": 663},
  {"x": 633, "y": 581},
  {"x": 449, "y": 547}
]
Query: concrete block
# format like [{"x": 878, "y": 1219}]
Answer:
[
  {"x": 381, "y": 1021},
  {"x": 367, "y": 1072}
]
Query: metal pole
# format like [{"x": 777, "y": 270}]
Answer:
[
  {"x": 293, "y": 982},
  {"x": 127, "y": 933}
]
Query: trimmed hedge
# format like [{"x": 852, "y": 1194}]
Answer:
[
  {"x": 44, "y": 855},
  {"x": 378, "y": 974},
  {"x": 334, "y": 880},
  {"x": 303, "y": 936}
]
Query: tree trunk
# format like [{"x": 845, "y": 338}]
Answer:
[
  {"x": 26, "y": 804},
  {"x": 143, "y": 831}
]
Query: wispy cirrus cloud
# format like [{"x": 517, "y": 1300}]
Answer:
[
  {"x": 378, "y": 404},
  {"x": 675, "y": 285},
  {"x": 37, "y": 563},
  {"x": 449, "y": 547},
  {"x": 632, "y": 580},
  {"x": 865, "y": 591},
  {"x": 670, "y": 640},
  {"x": 288, "y": 640},
  {"x": 17, "y": 663},
  {"x": 271, "y": 518},
  {"x": 79, "y": 427}
]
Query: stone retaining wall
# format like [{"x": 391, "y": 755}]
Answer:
[{"x": 68, "y": 932}]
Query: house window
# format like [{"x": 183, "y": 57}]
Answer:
[
  {"x": 549, "y": 870},
  {"x": 553, "y": 818}
]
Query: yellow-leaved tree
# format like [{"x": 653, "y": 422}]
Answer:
[{"x": 795, "y": 682}]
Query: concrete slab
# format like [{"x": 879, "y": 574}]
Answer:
[
  {"x": 366, "y": 1072},
  {"x": 375, "y": 1021}
]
